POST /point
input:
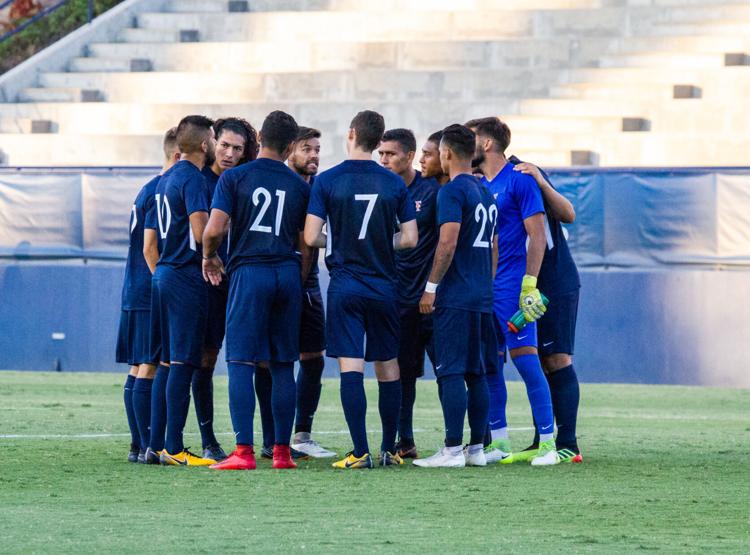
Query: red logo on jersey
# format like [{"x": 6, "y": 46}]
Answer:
[{"x": 418, "y": 205}]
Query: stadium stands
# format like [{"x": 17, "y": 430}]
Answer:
[{"x": 582, "y": 82}]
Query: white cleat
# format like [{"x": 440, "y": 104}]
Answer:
[
  {"x": 495, "y": 456},
  {"x": 443, "y": 459},
  {"x": 474, "y": 455},
  {"x": 312, "y": 448},
  {"x": 547, "y": 456}
]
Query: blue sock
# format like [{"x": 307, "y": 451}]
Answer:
[
  {"x": 354, "y": 402},
  {"x": 241, "y": 401},
  {"x": 142, "y": 408},
  {"x": 389, "y": 405},
  {"x": 159, "y": 409},
  {"x": 406, "y": 419},
  {"x": 135, "y": 438},
  {"x": 453, "y": 400},
  {"x": 263, "y": 389},
  {"x": 537, "y": 390},
  {"x": 178, "y": 405},
  {"x": 477, "y": 403},
  {"x": 498, "y": 399},
  {"x": 308, "y": 392},
  {"x": 203, "y": 399},
  {"x": 283, "y": 399},
  {"x": 566, "y": 394}
]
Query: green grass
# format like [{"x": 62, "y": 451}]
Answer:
[{"x": 666, "y": 469}]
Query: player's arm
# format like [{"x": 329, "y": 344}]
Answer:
[
  {"x": 407, "y": 237},
  {"x": 446, "y": 248},
  {"x": 307, "y": 256},
  {"x": 559, "y": 207},
  {"x": 313, "y": 234},
  {"x": 213, "y": 234},
  {"x": 530, "y": 301},
  {"x": 150, "y": 248},
  {"x": 495, "y": 255}
]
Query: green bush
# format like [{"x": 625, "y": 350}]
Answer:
[{"x": 47, "y": 30}]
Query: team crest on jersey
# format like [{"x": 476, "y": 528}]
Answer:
[{"x": 418, "y": 205}]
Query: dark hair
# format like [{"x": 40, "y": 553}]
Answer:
[
  {"x": 279, "y": 130},
  {"x": 436, "y": 137},
  {"x": 306, "y": 133},
  {"x": 240, "y": 127},
  {"x": 369, "y": 127},
  {"x": 192, "y": 131},
  {"x": 494, "y": 128},
  {"x": 460, "y": 139},
  {"x": 170, "y": 142},
  {"x": 404, "y": 137}
]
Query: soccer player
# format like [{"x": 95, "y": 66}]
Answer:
[
  {"x": 429, "y": 161},
  {"x": 520, "y": 220},
  {"x": 459, "y": 291},
  {"x": 397, "y": 152},
  {"x": 236, "y": 143},
  {"x": 361, "y": 203},
  {"x": 179, "y": 296},
  {"x": 266, "y": 203},
  {"x": 133, "y": 337}
]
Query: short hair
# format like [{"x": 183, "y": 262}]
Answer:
[
  {"x": 460, "y": 139},
  {"x": 192, "y": 131},
  {"x": 306, "y": 133},
  {"x": 436, "y": 137},
  {"x": 369, "y": 127},
  {"x": 279, "y": 130},
  {"x": 404, "y": 137},
  {"x": 494, "y": 128},
  {"x": 169, "y": 144},
  {"x": 241, "y": 127}
]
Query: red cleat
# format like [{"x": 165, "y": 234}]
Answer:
[
  {"x": 242, "y": 458},
  {"x": 577, "y": 459},
  {"x": 282, "y": 457}
]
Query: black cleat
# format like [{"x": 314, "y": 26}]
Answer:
[
  {"x": 267, "y": 453},
  {"x": 142, "y": 456},
  {"x": 133, "y": 454},
  {"x": 214, "y": 452},
  {"x": 151, "y": 457},
  {"x": 406, "y": 449}
]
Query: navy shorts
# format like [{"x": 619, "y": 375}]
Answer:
[
  {"x": 217, "y": 313},
  {"x": 312, "y": 329},
  {"x": 179, "y": 303},
  {"x": 351, "y": 318},
  {"x": 134, "y": 338},
  {"x": 416, "y": 338},
  {"x": 557, "y": 328},
  {"x": 465, "y": 342},
  {"x": 264, "y": 313},
  {"x": 504, "y": 309}
]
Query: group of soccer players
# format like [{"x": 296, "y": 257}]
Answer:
[{"x": 448, "y": 261}]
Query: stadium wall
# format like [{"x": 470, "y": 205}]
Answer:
[{"x": 664, "y": 258}]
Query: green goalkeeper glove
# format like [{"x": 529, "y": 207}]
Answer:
[{"x": 531, "y": 303}]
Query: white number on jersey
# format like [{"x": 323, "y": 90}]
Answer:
[
  {"x": 480, "y": 213},
  {"x": 263, "y": 192},
  {"x": 163, "y": 214},
  {"x": 133, "y": 219},
  {"x": 368, "y": 212}
]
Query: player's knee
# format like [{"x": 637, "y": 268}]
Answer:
[
  {"x": 146, "y": 371},
  {"x": 310, "y": 356},
  {"x": 387, "y": 371},
  {"x": 520, "y": 351},
  {"x": 208, "y": 360},
  {"x": 556, "y": 361}
]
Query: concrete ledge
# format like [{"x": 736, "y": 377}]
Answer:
[
  {"x": 635, "y": 125},
  {"x": 686, "y": 91},
  {"x": 736, "y": 59},
  {"x": 583, "y": 158}
]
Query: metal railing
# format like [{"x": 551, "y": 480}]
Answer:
[{"x": 41, "y": 15}]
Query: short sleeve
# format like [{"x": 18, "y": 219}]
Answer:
[
  {"x": 317, "y": 204},
  {"x": 406, "y": 211},
  {"x": 449, "y": 205},
  {"x": 224, "y": 194},
  {"x": 149, "y": 209},
  {"x": 528, "y": 196},
  {"x": 196, "y": 195}
]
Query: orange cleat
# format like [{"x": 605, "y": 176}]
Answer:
[{"x": 242, "y": 458}]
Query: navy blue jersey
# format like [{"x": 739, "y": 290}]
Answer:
[
  {"x": 312, "y": 281},
  {"x": 136, "y": 288},
  {"x": 267, "y": 203},
  {"x": 211, "y": 180},
  {"x": 181, "y": 192},
  {"x": 361, "y": 203},
  {"x": 559, "y": 273},
  {"x": 414, "y": 265},
  {"x": 468, "y": 282}
]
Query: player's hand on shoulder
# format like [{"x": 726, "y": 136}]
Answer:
[
  {"x": 427, "y": 303},
  {"x": 213, "y": 270},
  {"x": 528, "y": 169}
]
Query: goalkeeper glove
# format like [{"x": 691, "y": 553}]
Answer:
[{"x": 531, "y": 303}]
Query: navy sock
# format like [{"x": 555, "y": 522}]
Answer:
[
  {"x": 498, "y": 398},
  {"x": 308, "y": 392},
  {"x": 354, "y": 402},
  {"x": 283, "y": 398},
  {"x": 263, "y": 389},
  {"x": 241, "y": 401},
  {"x": 389, "y": 405},
  {"x": 406, "y": 419},
  {"x": 203, "y": 399},
  {"x": 135, "y": 437},
  {"x": 142, "y": 408},
  {"x": 477, "y": 406},
  {"x": 159, "y": 409},
  {"x": 178, "y": 405},
  {"x": 566, "y": 394},
  {"x": 537, "y": 390},
  {"x": 453, "y": 400}
]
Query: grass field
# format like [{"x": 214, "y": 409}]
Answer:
[{"x": 666, "y": 469}]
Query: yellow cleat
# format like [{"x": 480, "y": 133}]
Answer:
[
  {"x": 186, "y": 458},
  {"x": 350, "y": 461}
]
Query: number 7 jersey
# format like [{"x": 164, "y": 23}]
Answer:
[{"x": 361, "y": 203}]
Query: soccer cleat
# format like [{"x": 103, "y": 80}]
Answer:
[
  {"x": 312, "y": 448},
  {"x": 282, "y": 457},
  {"x": 242, "y": 458},
  {"x": 389, "y": 459},
  {"x": 267, "y": 453},
  {"x": 546, "y": 455},
  {"x": 444, "y": 458},
  {"x": 185, "y": 458},
  {"x": 133, "y": 453},
  {"x": 142, "y": 456},
  {"x": 474, "y": 456},
  {"x": 214, "y": 452},
  {"x": 152, "y": 457},
  {"x": 406, "y": 450},
  {"x": 350, "y": 461},
  {"x": 498, "y": 451},
  {"x": 569, "y": 456},
  {"x": 522, "y": 456}
]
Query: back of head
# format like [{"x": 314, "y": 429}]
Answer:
[
  {"x": 279, "y": 130},
  {"x": 169, "y": 144},
  {"x": 243, "y": 128},
  {"x": 460, "y": 140},
  {"x": 369, "y": 127},
  {"x": 404, "y": 137},
  {"x": 192, "y": 132},
  {"x": 493, "y": 128}
]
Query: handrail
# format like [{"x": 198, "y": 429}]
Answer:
[{"x": 42, "y": 14}]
